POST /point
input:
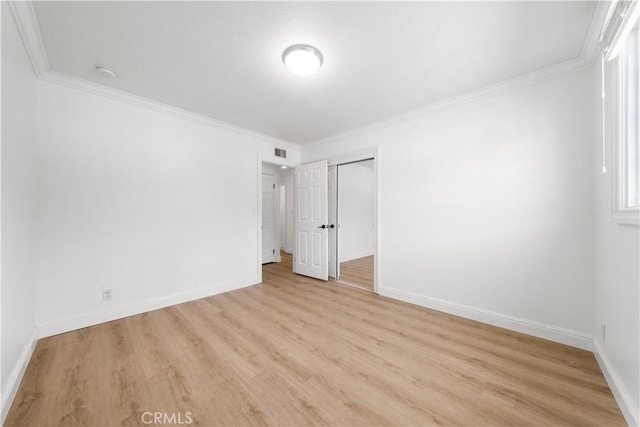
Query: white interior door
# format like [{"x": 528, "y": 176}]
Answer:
[
  {"x": 312, "y": 212},
  {"x": 268, "y": 238}
]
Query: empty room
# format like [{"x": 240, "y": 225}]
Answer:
[{"x": 298, "y": 213}]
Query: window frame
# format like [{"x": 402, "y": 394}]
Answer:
[{"x": 622, "y": 214}]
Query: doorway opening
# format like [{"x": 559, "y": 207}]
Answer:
[
  {"x": 276, "y": 219},
  {"x": 352, "y": 202},
  {"x": 328, "y": 234}
]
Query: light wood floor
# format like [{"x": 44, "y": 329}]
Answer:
[
  {"x": 295, "y": 351},
  {"x": 358, "y": 272}
]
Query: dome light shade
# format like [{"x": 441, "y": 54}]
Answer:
[{"x": 302, "y": 59}]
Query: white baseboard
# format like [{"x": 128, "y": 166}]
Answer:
[
  {"x": 13, "y": 383},
  {"x": 42, "y": 331},
  {"x": 356, "y": 255},
  {"x": 91, "y": 319},
  {"x": 620, "y": 392},
  {"x": 525, "y": 326}
]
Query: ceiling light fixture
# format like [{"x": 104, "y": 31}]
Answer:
[
  {"x": 106, "y": 71},
  {"x": 302, "y": 59}
]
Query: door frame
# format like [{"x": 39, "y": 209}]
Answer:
[
  {"x": 356, "y": 156},
  {"x": 258, "y": 210},
  {"x": 332, "y": 196}
]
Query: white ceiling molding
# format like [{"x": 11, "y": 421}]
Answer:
[
  {"x": 558, "y": 70},
  {"x": 27, "y": 25},
  {"x": 137, "y": 100},
  {"x": 588, "y": 56},
  {"x": 25, "y": 19},
  {"x": 28, "y": 28},
  {"x": 591, "y": 47}
]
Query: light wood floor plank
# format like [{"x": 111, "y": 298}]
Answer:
[{"x": 296, "y": 351}]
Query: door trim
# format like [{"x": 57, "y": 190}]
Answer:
[
  {"x": 332, "y": 196},
  {"x": 258, "y": 212}
]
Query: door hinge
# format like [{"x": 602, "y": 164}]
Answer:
[
  {"x": 274, "y": 251},
  {"x": 274, "y": 186}
]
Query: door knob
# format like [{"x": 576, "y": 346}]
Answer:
[
  {"x": 322, "y": 226},
  {"x": 332, "y": 226}
]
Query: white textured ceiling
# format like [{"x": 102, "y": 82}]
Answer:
[{"x": 223, "y": 59}]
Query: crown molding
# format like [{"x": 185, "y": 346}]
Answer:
[
  {"x": 588, "y": 56},
  {"x": 591, "y": 46},
  {"x": 25, "y": 18},
  {"x": 27, "y": 25},
  {"x": 548, "y": 73},
  {"x": 150, "y": 104}
]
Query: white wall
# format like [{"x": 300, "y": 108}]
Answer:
[
  {"x": 157, "y": 208},
  {"x": 18, "y": 201},
  {"x": 617, "y": 277},
  {"x": 486, "y": 208},
  {"x": 356, "y": 197}
]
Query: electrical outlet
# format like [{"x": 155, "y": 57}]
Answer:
[
  {"x": 106, "y": 295},
  {"x": 603, "y": 331}
]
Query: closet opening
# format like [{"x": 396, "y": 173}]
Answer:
[{"x": 352, "y": 203}]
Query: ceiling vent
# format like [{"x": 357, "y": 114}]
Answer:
[{"x": 281, "y": 153}]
